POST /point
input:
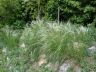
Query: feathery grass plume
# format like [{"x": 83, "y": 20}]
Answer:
[{"x": 44, "y": 42}]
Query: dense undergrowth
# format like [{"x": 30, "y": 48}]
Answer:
[{"x": 22, "y": 50}]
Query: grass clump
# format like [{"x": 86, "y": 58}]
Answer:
[{"x": 21, "y": 50}]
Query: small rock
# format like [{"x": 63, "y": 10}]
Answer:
[
  {"x": 53, "y": 66},
  {"x": 42, "y": 60},
  {"x": 92, "y": 50},
  {"x": 65, "y": 66},
  {"x": 70, "y": 64},
  {"x": 77, "y": 68}
]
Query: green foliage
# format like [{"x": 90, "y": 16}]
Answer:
[
  {"x": 29, "y": 10},
  {"x": 9, "y": 10},
  {"x": 21, "y": 50},
  {"x": 11, "y": 13},
  {"x": 77, "y": 11}
]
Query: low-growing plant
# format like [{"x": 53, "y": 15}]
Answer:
[{"x": 20, "y": 49}]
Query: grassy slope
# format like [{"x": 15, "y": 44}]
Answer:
[{"x": 21, "y": 51}]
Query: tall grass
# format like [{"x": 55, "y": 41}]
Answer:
[{"x": 20, "y": 50}]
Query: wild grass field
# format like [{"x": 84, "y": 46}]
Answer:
[{"x": 45, "y": 46}]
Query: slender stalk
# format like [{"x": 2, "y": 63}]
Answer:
[
  {"x": 58, "y": 14},
  {"x": 38, "y": 17}
]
